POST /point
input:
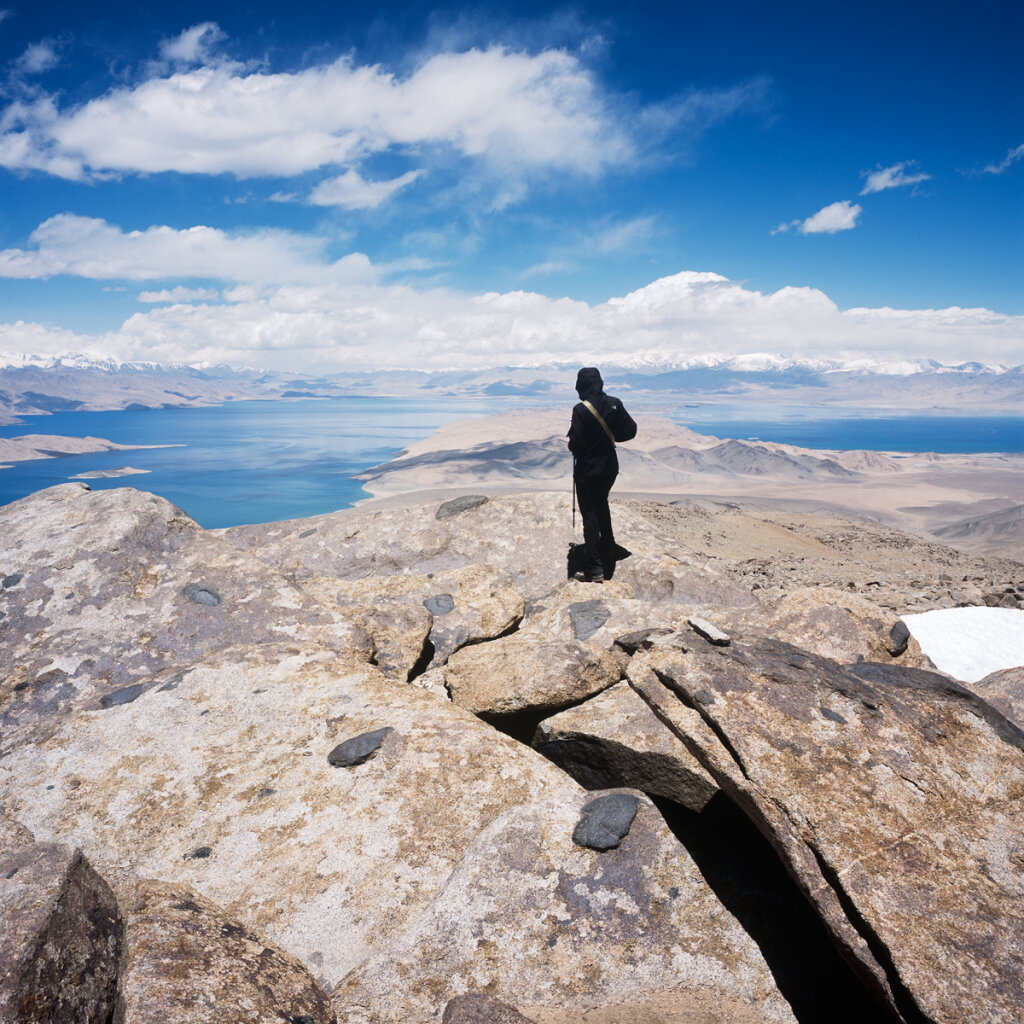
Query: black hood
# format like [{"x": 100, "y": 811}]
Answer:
[{"x": 588, "y": 382}]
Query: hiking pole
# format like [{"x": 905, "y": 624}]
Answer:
[{"x": 574, "y": 496}]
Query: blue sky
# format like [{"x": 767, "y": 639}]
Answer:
[{"x": 325, "y": 185}]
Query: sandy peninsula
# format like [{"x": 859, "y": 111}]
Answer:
[{"x": 54, "y": 446}]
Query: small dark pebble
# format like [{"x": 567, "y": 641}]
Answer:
[
  {"x": 899, "y": 636},
  {"x": 123, "y": 696},
  {"x": 833, "y": 716},
  {"x": 439, "y": 604},
  {"x": 463, "y": 504},
  {"x": 199, "y": 853},
  {"x": 11, "y": 873},
  {"x": 265, "y": 792},
  {"x": 12, "y": 581},
  {"x": 357, "y": 749},
  {"x": 201, "y": 595},
  {"x": 640, "y": 640},
  {"x": 606, "y": 821},
  {"x": 21, "y": 686},
  {"x": 306, "y": 533}
]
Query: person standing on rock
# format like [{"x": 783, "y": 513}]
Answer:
[{"x": 598, "y": 422}]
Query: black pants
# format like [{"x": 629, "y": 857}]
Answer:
[{"x": 598, "y": 538}]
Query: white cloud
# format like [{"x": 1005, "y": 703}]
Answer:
[
  {"x": 194, "y": 45},
  {"x": 353, "y": 192},
  {"x": 897, "y": 176},
  {"x": 841, "y": 216},
  {"x": 339, "y": 324},
  {"x": 520, "y": 111},
  {"x": 93, "y": 248},
  {"x": 835, "y": 217},
  {"x": 181, "y": 294},
  {"x": 625, "y": 235},
  {"x": 37, "y": 58},
  {"x": 1007, "y": 162}
]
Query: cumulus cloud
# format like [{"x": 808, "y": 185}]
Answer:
[
  {"x": 93, "y": 248},
  {"x": 353, "y": 192},
  {"x": 841, "y": 216},
  {"x": 1007, "y": 162},
  {"x": 522, "y": 111},
  {"x": 339, "y": 325},
  {"x": 897, "y": 176}
]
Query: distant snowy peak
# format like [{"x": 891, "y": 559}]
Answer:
[
  {"x": 751, "y": 362},
  {"x": 766, "y": 362}
]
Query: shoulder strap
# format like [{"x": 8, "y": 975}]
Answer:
[{"x": 600, "y": 419}]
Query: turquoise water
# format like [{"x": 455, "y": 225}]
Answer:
[
  {"x": 243, "y": 462},
  {"x": 252, "y": 462}
]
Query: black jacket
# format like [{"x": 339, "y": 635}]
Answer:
[{"x": 593, "y": 450}]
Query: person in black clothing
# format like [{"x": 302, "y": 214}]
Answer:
[{"x": 595, "y": 466}]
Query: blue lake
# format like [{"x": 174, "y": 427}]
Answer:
[
  {"x": 242, "y": 462},
  {"x": 250, "y": 462}
]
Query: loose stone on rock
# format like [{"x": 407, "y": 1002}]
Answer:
[
  {"x": 201, "y": 595},
  {"x": 462, "y": 504},
  {"x": 606, "y": 821},
  {"x": 358, "y": 749},
  {"x": 199, "y": 853},
  {"x": 11, "y": 581},
  {"x": 439, "y": 604},
  {"x": 899, "y": 635},
  {"x": 123, "y": 696},
  {"x": 712, "y": 634}
]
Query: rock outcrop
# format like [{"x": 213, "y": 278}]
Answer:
[
  {"x": 212, "y": 736},
  {"x": 893, "y": 795},
  {"x": 60, "y": 934},
  {"x": 186, "y": 960}
]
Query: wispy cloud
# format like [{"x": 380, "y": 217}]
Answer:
[
  {"x": 1012, "y": 156},
  {"x": 37, "y": 58},
  {"x": 898, "y": 176},
  {"x": 353, "y": 192},
  {"x": 180, "y": 294},
  {"x": 841, "y": 216},
  {"x": 196, "y": 45}
]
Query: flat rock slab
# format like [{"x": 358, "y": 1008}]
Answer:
[
  {"x": 218, "y": 778},
  {"x": 561, "y": 931},
  {"x": 614, "y": 739},
  {"x": 118, "y": 585},
  {"x": 522, "y": 534},
  {"x": 526, "y": 673},
  {"x": 60, "y": 937},
  {"x": 186, "y": 960},
  {"x": 894, "y": 795}
]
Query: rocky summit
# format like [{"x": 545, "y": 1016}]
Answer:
[{"x": 391, "y": 766}]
